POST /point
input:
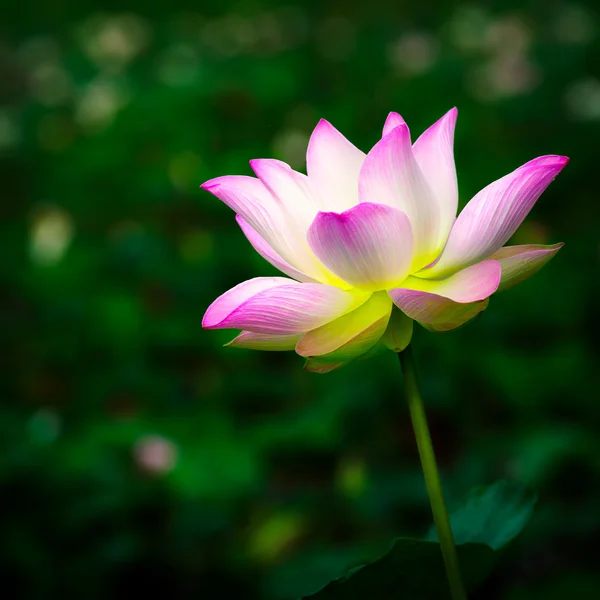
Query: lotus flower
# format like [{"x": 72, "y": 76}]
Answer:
[{"x": 362, "y": 234}]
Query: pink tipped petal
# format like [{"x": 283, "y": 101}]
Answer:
[
  {"x": 279, "y": 306},
  {"x": 521, "y": 262},
  {"x": 261, "y": 246},
  {"x": 399, "y": 331},
  {"x": 253, "y": 202},
  {"x": 228, "y": 302},
  {"x": 264, "y": 341},
  {"x": 390, "y": 175},
  {"x": 333, "y": 164},
  {"x": 393, "y": 120},
  {"x": 292, "y": 190},
  {"x": 434, "y": 153},
  {"x": 494, "y": 214},
  {"x": 369, "y": 246},
  {"x": 447, "y": 300},
  {"x": 350, "y": 335}
]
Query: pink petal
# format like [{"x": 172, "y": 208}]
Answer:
[
  {"x": 280, "y": 306},
  {"x": 292, "y": 190},
  {"x": 333, "y": 164},
  {"x": 261, "y": 246},
  {"x": 264, "y": 341},
  {"x": 448, "y": 300},
  {"x": 368, "y": 246},
  {"x": 494, "y": 214},
  {"x": 434, "y": 153},
  {"x": 521, "y": 262},
  {"x": 393, "y": 120},
  {"x": 249, "y": 197},
  {"x": 390, "y": 175},
  {"x": 351, "y": 335}
]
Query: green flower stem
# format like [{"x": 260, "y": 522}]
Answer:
[{"x": 432, "y": 477}]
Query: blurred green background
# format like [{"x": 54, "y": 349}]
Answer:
[{"x": 137, "y": 455}]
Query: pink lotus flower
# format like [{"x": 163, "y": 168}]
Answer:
[{"x": 362, "y": 233}]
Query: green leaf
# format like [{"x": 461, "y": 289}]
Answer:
[
  {"x": 413, "y": 569},
  {"x": 492, "y": 515}
]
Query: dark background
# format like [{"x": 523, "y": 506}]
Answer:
[{"x": 139, "y": 456}]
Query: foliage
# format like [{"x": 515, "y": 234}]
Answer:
[{"x": 137, "y": 454}]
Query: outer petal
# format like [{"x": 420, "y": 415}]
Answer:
[
  {"x": 521, "y": 262},
  {"x": 261, "y": 246},
  {"x": 390, "y": 175},
  {"x": 434, "y": 153},
  {"x": 249, "y": 197},
  {"x": 291, "y": 189},
  {"x": 350, "y": 335},
  {"x": 369, "y": 246},
  {"x": 280, "y": 306},
  {"x": 399, "y": 331},
  {"x": 494, "y": 214},
  {"x": 314, "y": 365},
  {"x": 264, "y": 341},
  {"x": 451, "y": 300},
  {"x": 457, "y": 318},
  {"x": 333, "y": 164},
  {"x": 393, "y": 120}
]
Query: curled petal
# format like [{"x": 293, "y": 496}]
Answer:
[
  {"x": 390, "y": 175},
  {"x": 368, "y": 246},
  {"x": 521, "y": 262},
  {"x": 251, "y": 200},
  {"x": 350, "y": 335},
  {"x": 451, "y": 300},
  {"x": 291, "y": 189},
  {"x": 314, "y": 365},
  {"x": 493, "y": 215},
  {"x": 399, "y": 331},
  {"x": 265, "y": 250},
  {"x": 279, "y": 306},
  {"x": 434, "y": 153},
  {"x": 393, "y": 120},
  {"x": 264, "y": 341},
  {"x": 255, "y": 204},
  {"x": 458, "y": 318},
  {"x": 333, "y": 164}
]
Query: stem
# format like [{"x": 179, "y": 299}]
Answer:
[{"x": 432, "y": 477}]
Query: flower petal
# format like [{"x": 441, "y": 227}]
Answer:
[
  {"x": 333, "y": 164},
  {"x": 292, "y": 191},
  {"x": 393, "y": 120},
  {"x": 458, "y": 317},
  {"x": 350, "y": 335},
  {"x": 280, "y": 306},
  {"x": 390, "y": 175},
  {"x": 434, "y": 153},
  {"x": 249, "y": 197},
  {"x": 313, "y": 365},
  {"x": 264, "y": 341},
  {"x": 261, "y": 246},
  {"x": 399, "y": 331},
  {"x": 521, "y": 262},
  {"x": 494, "y": 214},
  {"x": 369, "y": 246},
  {"x": 448, "y": 300}
]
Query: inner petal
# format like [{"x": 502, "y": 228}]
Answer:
[{"x": 369, "y": 246}]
